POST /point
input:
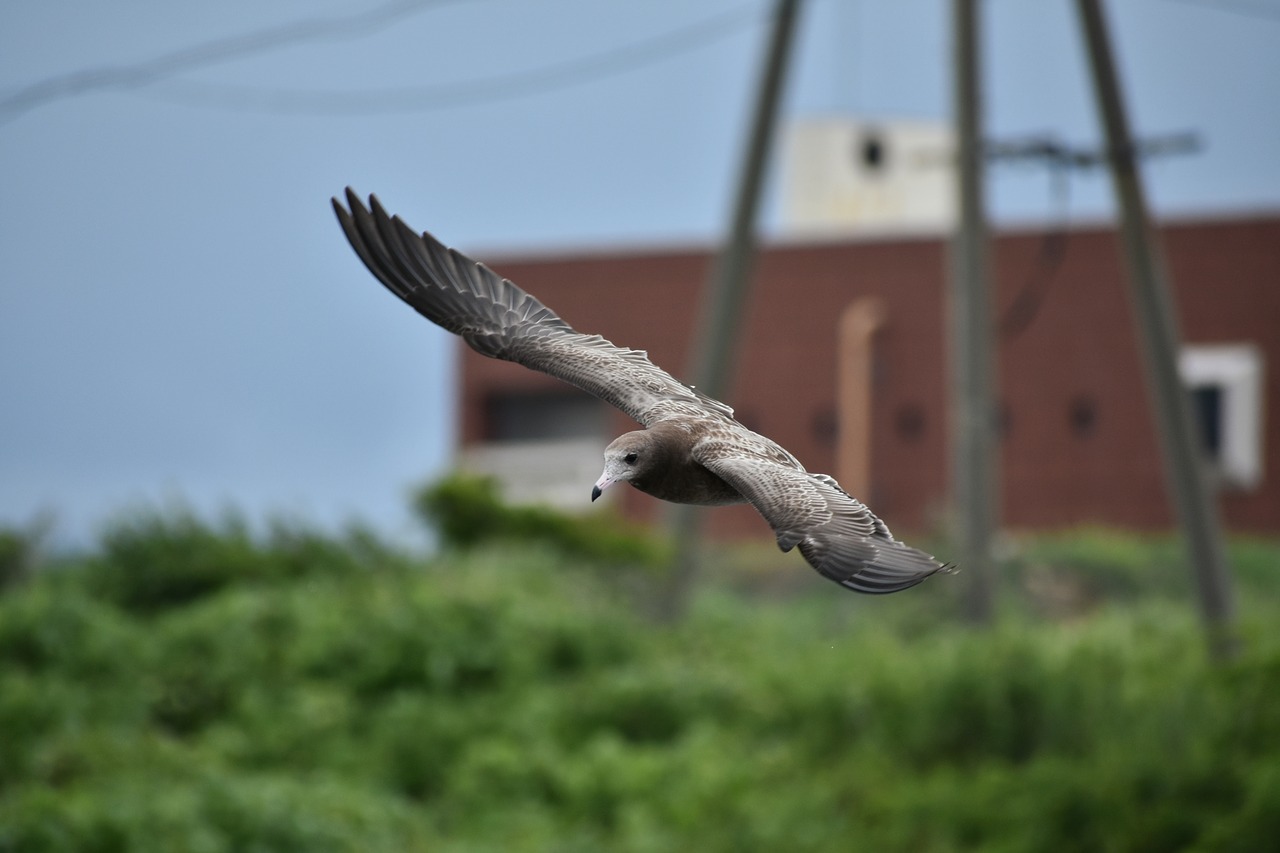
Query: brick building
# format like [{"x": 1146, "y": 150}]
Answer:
[{"x": 1078, "y": 443}]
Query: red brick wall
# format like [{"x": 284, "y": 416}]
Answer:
[{"x": 1080, "y": 347}]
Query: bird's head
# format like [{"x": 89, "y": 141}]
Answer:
[{"x": 624, "y": 460}]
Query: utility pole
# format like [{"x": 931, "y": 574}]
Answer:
[
  {"x": 1157, "y": 320},
  {"x": 975, "y": 482},
  {"x": 716, "y": 336},
  {"x": 725, "y": 295}
]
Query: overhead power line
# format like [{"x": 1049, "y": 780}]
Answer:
[
  {"x": 1061, "y": 159},
  {"x": 155, "y": 78},
  {"x": 1255, "y": 9},
  {"x": 150, "y": 71},
  {"x": 1057, "y": 155},
  {"x": 420, "y": 98}
]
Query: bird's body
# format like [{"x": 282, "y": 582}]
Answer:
[
  {"x": 670, "y": 472},
  {"x": 691, "y": 449}
]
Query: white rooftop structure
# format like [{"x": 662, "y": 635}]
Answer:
[{"x": 845, "y": 176}]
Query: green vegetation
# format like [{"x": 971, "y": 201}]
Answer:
[
  {"x": 469, "y": 511},
  {"x": 192, "y": 687}
]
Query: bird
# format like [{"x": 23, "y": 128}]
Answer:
[{"x": 690, "y": 449}]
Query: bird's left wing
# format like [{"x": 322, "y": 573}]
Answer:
[
  {"x": 498, "y": 319},
  {"x": 837, "y": 534}
]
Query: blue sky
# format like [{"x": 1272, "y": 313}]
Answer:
[{"x": 181, "y": 320}]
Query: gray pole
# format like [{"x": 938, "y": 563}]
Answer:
[
  {"x": 1157, "y": 319},
  {"x": 975, "y": 482},
  {"x": 715, "y": 338},
  {"x": 725, "y": 296}
]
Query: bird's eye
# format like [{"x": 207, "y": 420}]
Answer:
[{"x": 630, "y": 459}]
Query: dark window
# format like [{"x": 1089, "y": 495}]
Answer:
[
  {"x": 1082, "y": 416},
  {"x": 824, "y": 426},
  {"x": 909, "y": 422},
  {"x": 871, "y": 152},
  {"x": 1206, "y": 400},
  {"x": 533, "y": 416}
]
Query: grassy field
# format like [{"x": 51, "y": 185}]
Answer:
[{"x": 190, "y": 687}]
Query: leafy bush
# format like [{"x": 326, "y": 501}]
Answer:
[
  {"x": 138, "y": 812},
  {"x": 151, "y": 561},
  {"x": 15, "y": 556},
  {"x": 300, "y": 692},
  {"x": 1099, "y": 564},
  {"x": 468, "y": 511},
  {"x": 155, "y": 561}
]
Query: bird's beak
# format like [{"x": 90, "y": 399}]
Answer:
[{"x": 598, "y": 489}]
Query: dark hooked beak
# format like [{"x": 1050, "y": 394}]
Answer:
[{"x": 603, "y": 483}]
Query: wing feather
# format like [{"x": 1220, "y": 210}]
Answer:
[
  {"x": 837, "y": 534},
  {"x": 498, "y": 319}
]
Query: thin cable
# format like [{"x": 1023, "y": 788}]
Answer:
[
  {"x": 147, "y": 72},
  {"x": 1027, "y": 302},
  {"x": 403, "y": 99},
  {"x": 1257, "y": 10},
  {"x": 1062, "y": 161}
]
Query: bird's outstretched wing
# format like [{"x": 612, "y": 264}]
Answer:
[
  {"x": 500, "y": 320},
  {"x": 835, "y": 532}
]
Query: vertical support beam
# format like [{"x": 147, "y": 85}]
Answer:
[
  {"x": 854, "y": 378},
  {"x": 716, "y": 337},
  {"x": 725, "y": 295},
  {"x": 975, "y": 481},
  {"x": 1157, "y": 321}
]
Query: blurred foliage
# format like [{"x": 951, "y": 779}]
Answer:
[
  {"x": 20, "y": 548},
  {"x": 193, "y": 687},
  {"x": 469, "y": 511}
]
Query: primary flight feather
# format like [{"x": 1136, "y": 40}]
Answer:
[{"x": 691, "y": 449}]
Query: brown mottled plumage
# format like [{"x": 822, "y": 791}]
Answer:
[{"x": 691, "y": 450}]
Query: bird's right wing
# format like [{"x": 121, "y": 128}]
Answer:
[
  {"x": 498, "y": 319},
  {"x": 837, "y": 534}
]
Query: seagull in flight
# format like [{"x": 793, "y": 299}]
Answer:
[{"x": 690, "y": 450}]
